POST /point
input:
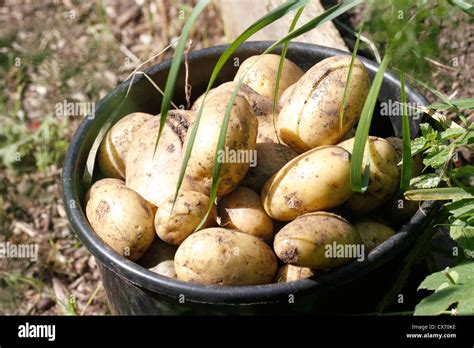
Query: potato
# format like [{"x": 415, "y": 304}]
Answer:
[
  {"x": 242, "y": 210},
  {"x": 216, "y": 256},
  {"x": 316, "y": 180},
  {"x": 114, "y": 148},
  {"x": 384, "y": 176},
  {"x": 261, "y": 71},
  {"x": 416, "y": 161},
  {"x": 159, "y": 258},
  {"x": 285, "y": 96},
  {"x": 121, "y": 217},
  {"x": 290, "y": 273},
  {"x": 373, "y": 233},
  {"x": 154, "y": 176},
  {"x": 240, "y": 145},
  {"x": 267, "y": 131},
  {"x": 271, "y": 158},
  {"x": 318, "y": 241},
  {"x": 190, "y": 208},
  {"x": 310, "y": 118},
  {"x": 260, "y": 105}
]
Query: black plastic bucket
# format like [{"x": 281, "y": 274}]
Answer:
[{"x": 132, "y": 289}]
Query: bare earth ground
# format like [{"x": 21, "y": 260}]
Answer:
[{"x": 78, "y": 51}]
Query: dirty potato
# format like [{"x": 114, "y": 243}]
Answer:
[
  {"x": 261, "y": 71},
  {"x": 175, "y": 224},
  {"x": 315, "y": 240},
  {"x": 260, "y": 105},
  {"x": 310, "y": 117},
  {"x": 373, "y": 233},
  {"x": 114, "y": 148},
  {"x": 242, "y": 210},
  {"x": 121, "y": 217},
  {"x": 267, "y": 129},
  {"x": 316, "y": 180},
  {"x": 271, "y": 157},
  {"x": 384, "y": 175},
  {"x": 216, "y": 256},
  {"x": 416, "y": 161},
  {"x": 159, "y": 258},
  {"x": 240, "y": 145},
  {"x": 154, "y": 175},
  {"x": 290, "y": 273}
]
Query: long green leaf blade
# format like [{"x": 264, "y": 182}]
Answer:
[
  {"x": 406, "y": 155},
  {"x": 175, "y": 64},
  {"x": 348, "y": 80},
  {"x": 439, "y": 194},
  {"x": 362, "y": 131}
]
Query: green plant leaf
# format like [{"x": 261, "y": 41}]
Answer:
[
  {"x": 467, "y": 103},
  {"x": 463, "y": 172},
  {"x": 461, "y": 208},
  {"x": 358, "y": 182},
  {"x": 175, "y": 64},
  {"x": 447, "y": 294},
  {"x": 451, "y": 133},
  {"x": 406, "y": 155},
  {"x": 463, "y": 233},
  {"x": 418, "y": 145},
  {"x": 426, "y": 181},
  {"x": 439, "y": 194},
  {"x": 348, "y": 79},
  {"x": 464, "y": 6}
]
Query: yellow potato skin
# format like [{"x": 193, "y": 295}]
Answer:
[
  {"x": 271, "y": 157},
  {"x": 416, "y": 161},
  {"x": 310, "y": 117},
  {"x": 303, "y": 241},
  {"x": 242, "y": 210},
  {"x": 384, "y": 176},
  {"x": 159, "y": 258},
  {"x": 260, "y": 105},
  {"x": 121, "y": 217},
  {"x": 267, "y": 131},
  {"x": 290, "y": 273},
  {"x": 154, "y": 176},
  {"x": 285, "y": 96},
  {"x": 217, "y": 256},
  {"x": 241, "y": 136},
  {"x": 114, "y": 148},
  {"x": 262, "y": 75},
  {"x": 175, "y": 226},
  {"x": 373, "y": 233},
  {"x": 316, "y": 180}
]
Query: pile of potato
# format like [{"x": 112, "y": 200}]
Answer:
[{"x": 271, "y": 222}]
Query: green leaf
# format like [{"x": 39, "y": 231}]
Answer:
[
  {"x": 436, "y": 156},
  {"x": 463, "y": 234},
  {"x": 406, "y": 155},
  {"x": 348, "y": 79},
  {"x": 447, "y": 294},
  {"x": 451, "y": 133},
  {"x": 464, "y": 6},
  {"x": 280, "y": 68},
  {"x": 463, "y": 172},
  {"x": 426, "y": 181},
  {"x": 428, "y": 132},
  {"x": 363, "y": 127},
  {"x": 439, "y": 194},
  {"x": 467, "y": 103},
  {"x": 175, "y": 64},
  {"x": 460, "y": 207},
  {"x": 418, "y": 145},
  {"x": 267, "y": 19}
]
